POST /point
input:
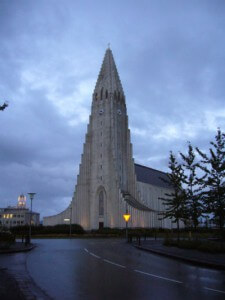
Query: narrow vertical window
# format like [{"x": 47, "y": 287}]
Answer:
[
  {"x": 101, "y": 94},
  {"x": 101, "y": 203}
]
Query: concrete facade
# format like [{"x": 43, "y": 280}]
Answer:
[{"x": 107, "y": 184}]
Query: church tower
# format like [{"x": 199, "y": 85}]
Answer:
[
  {"x": 107, "y": 155},
  {"x": 109, "y": 182}
]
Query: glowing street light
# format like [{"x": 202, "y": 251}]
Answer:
[{"x": 126, "y": 217}]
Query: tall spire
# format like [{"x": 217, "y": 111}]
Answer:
[{"x": 108, "y": 78}]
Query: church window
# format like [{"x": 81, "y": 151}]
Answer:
[
  {"x": 106, "y": 94},
  {"x": 96, "y": 96},
  {"x": 101, "y": 166},
  {"x": 115, "y": 95},
  {"x": 101, "y": 203},
  {"x": 118, "y": 95},
  {"x": 101, "y": 94},
  {"x": 101, "y": 111}
]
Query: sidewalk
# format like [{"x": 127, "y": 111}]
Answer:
[
  {"x": 17, "y": 247},
  {"x": 196, "y": 257},
  {"x": 9, "y": 289}
]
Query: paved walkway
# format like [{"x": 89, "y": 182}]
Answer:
[
  {"x": 15, "y": 281},
  {"x": 205, "y": 259},
  {"x": 17, "y": 247},
  {"x": 9, "y": 289}
]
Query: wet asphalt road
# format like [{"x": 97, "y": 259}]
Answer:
[{"x": 112, "y": 269}]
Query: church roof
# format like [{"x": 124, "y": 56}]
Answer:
[
  {"x": 151, "y": 176},
  {"x": 108, "y": 77}
]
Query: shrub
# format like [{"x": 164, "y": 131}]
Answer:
[
  {"x": 57, "y": 229},
  {"x": 6, "y": 239},
  {"x": 201, "y": 245}
]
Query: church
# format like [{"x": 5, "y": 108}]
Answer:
[{"x": 109, "y": 183}]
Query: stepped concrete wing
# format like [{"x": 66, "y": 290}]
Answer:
[{"x": 135, "y": 203}]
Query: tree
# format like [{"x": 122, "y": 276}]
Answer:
[
  {"x": 2, "y": 107},
  {"x": 175, "y": 206},
  {"x": 214, "y": 182},
  {"x": 193, "y": 189}
]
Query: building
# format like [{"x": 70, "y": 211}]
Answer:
[
  {"x": 21, "y": 201},
  {"x": 18, "y": 215},
  {"x": 109, "y": 182}
]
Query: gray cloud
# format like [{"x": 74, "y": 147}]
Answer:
[{"x": 170, "y": 56}]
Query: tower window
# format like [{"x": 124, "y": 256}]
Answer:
[
  {"x": 96, "y": 96},
  {"x": 101, "y": 94},
  {"x": 106, "y": 94},
  {"x": 101, "y": 203}
]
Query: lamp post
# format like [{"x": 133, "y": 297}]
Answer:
[
  {"x": 126, "y": 217},
  {"x": 31, "y": 200}
]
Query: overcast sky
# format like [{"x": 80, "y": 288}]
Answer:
[{"x": 171, "y": 59}]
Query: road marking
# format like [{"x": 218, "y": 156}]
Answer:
[
  {"x": 214, "y": 290},
  {"x": 86, "y": 250},
  {"x": 165, "y": 278},
  {"x": 94, "y": 255},
  {"x": 111, "y": 262}
]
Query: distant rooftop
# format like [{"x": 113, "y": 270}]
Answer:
[{"x": 151, "y": 176}]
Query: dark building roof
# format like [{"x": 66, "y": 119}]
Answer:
[{"x": 151, "y": 176}]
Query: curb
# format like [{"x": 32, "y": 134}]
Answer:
[
  {"x": 25, "y": 249},
  {"x": 182, "y": 258}
]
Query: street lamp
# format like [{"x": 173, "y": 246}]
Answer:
[
  {"x": 31, "y": 199},
  {"x": 126, "y": 217}
]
